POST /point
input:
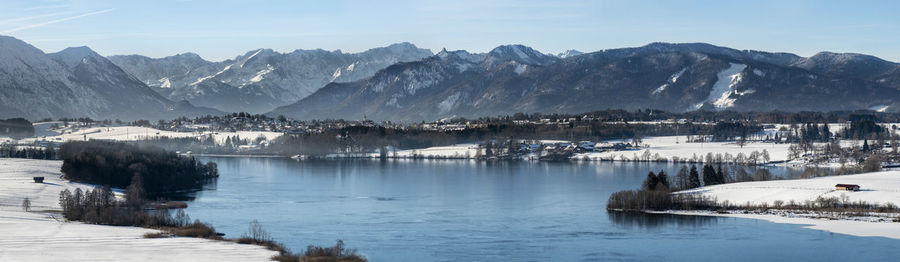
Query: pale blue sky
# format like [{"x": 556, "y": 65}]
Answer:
[{"x": 219, "y": 30}]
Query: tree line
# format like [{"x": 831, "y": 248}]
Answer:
[
  {"x": 160, "y": 173},
  {"x": 12, "y": 151},
  {"x": 16, "y": 128}
]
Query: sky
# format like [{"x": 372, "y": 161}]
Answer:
[{"x": 219, "y": 30}]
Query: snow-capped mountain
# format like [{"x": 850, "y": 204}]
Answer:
[
  {"x": 675, "y": 77},
  {"x": 75, "y": 82},
  {"x": 569, "y": 53},
  {"x": 518, "y": 53},
  {"x": 262, "y": 79}
]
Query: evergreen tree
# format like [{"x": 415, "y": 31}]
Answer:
[
  {"x": 682, "y": 179},
  {"x": 693, "y": 178},
  {"x": 663, "y": 179},
  {"x": 722, "y": 173},
  {"x": 709, "y": 175},
  {"x": 488, "y": 152},
  {"x": 650, "y": 182}
]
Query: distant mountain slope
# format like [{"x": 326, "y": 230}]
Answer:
[
  {"x": 262, "y": 79},
  {"x": 676, "y": 77},
  {"x": 75, "y": 82}
]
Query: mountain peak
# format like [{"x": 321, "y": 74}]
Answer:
[
  {"x": 519, "y": 53},
  {"x": 9, "y": 40},
  {"x": 402, "y": 45},
  {"x": 72, "y": 56},
  {"x": 11, "y": 46},
  {"x": 845, "y": 57},
  {"x": 569, "y": 53},
  {"x": 400, "y": 48},
  {"x": 460, "y": 54},
  {"x": 189, "y": 55}
]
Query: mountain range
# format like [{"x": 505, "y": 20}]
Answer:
[
  {"x": 675, "y": 77},
  {"x": 407, "y": 83},
  {"x": 262, "y": 79},
  {"x": 76, "y": 82}
]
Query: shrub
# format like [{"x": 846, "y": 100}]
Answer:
[
  {"x": 196, "y": 229},
  {"x": 331, "y": 254},
  {"x": 155, "y": 235}
]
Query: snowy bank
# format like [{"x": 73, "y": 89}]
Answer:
[
  {"x": 42, "y": 236},
  {"x": 670, "y": 147},
  {"x": 846, "y": 227},
  {"x": 878, "y": 188}
]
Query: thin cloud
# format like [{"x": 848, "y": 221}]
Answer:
[
  {"x": 55, "y": 21},
  {"x": 20, "y": 19},
  {"x": 46, "y": 7}
]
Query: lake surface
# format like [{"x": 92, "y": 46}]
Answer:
[{"x": 457, "y": 210}]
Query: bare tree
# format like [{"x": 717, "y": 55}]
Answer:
[
  {"x": 26, "y": 204},
  {"x": 257, "y": 233}
]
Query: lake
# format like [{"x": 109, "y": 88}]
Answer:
[{"x": 459, "y": 210}]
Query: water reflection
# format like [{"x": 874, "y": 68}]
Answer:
[
  {"x": 459, "y": 210},
  {"x": 639, "y": 220}
]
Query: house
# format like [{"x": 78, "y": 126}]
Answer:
[{"x": 847, "y": 187}]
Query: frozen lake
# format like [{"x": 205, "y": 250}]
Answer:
[{"x": 457, "y": 210}]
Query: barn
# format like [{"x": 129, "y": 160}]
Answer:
[{"x": 847, "y": 187}]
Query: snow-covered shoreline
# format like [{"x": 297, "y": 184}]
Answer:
[
  {"x": 878, "y": 188},
  {"x": 42, "y": 236},
  {"x": 840, "y": 226}
]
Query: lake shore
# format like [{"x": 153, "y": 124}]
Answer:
[
  {"x": 877, "y": 188},
  {"x": 859, "y": 228},
  {"x": 42, "y": 235}
]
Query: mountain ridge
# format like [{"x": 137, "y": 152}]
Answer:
[
  {"x": 76, "y": 82},
  {"x": 675, "y": 77},
  {"x": 261, "y": 79}
]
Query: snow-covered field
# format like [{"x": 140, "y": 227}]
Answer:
[
  {"x": 38, "y": 236},
  {"x": 876, "y": 188},
  {"x": 133, "y": 133},
  {"x": 676, "y": 146},
  {"x": 454, "y": 151}
]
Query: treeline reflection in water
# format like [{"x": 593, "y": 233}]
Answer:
[{"x": 641, "y": 220}]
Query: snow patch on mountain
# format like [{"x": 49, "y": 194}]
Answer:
[
  {"x": 164, "y": 82},
  {"x": 672, "y": 79},
  {"x": 336, "y": 74},
  {"x": 449, "y": 102},
  {"x": 758, "y": 72},
  {"x": 569, "y": 53},
  {"x": 260, "y": 74},
  {"x": 519, "y": 52},
  {"x": 721, "y": 94},
  {"x": 520, "y": 68},
  {"x": 879, "y": 108},
  {"x": 200, "y": 80},
  {"x": 251, "y": 57}
]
